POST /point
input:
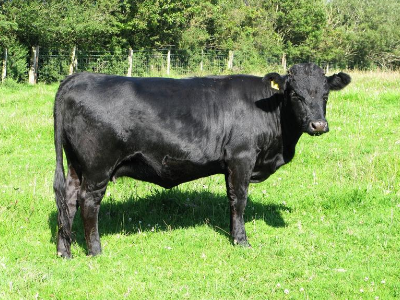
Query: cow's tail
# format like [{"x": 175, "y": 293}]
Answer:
[{"x": 59, "y": 177}]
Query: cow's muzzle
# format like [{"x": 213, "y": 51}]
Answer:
[{"x": 318, "y": 127}]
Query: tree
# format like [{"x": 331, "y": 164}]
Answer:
[
  {"x": 300, "y": 23},
  {"x": 371, "y": 31},
  {"x": 350, "y": 33},
  {"x": 7, "y": 30},
  {"x": 199, "y": 30},
  {"x": 54, "y": 23},
  {"x": 153, "y": 23}
]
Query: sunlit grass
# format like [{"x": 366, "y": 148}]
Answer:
[{"x": 326, "y": 226}]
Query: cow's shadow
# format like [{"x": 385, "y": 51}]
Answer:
[{"x": 167, "y": 210}]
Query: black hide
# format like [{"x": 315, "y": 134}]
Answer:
[{"x": 170, "y": 131}]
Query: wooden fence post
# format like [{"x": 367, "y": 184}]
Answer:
[
  {"x": 4, "y": 71},
  {"x": 34, "y": 65},
  {"x": 130, "y": 60},
  {"x": 201, "y": 62},
  {"x": 284, "y": 62},
  {"x": 74, "y": 61},
  {"x": 168, "y": 61},
  {"x": 230, "y": 60}
]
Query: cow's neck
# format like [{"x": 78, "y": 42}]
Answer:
[{"x": 291, "y": 132}]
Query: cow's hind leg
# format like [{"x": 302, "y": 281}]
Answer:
[
  {"x": 90, "y": 199},
  {"x": 237, "y": 182},
  {"x": 72, "y": 185}
]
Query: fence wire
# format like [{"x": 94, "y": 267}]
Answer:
[{"x": 55, "y": 64}]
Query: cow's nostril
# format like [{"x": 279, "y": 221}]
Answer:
[{"x": 318, "y": 126}]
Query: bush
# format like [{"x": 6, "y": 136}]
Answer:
[
  {"x": 17, "y": 62},
  {"x": 10, "y": 84},
  {"x": 53, "y": 65}
]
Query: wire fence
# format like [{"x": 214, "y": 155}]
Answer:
[{"x": 54, "y": 64}]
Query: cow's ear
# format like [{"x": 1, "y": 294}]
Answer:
[
  {"x": 275, "y": 82},
  {"x": 338, "y": 81}
]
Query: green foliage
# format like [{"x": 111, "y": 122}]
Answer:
[
  {"x": 62, "y": 23},
  {"x": 7, "y": 29},
  {"x": 198, "y": 32},
  {"x": 103, "y": 62},
  {"x": 17, "y": 65},
  {"x": 343, "y": 33},
  {"x": 367, "y": 32},
  {"x": 247, "y": 28},
  {"x": 152, "y": 23},
  {"x": 53, "y": 65},
  {"x": 86, "y": 23},
  {"x": 301, "y": 24}
]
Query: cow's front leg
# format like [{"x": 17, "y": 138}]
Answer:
[
  {"x": 237, "y": 182},
  {"x": 90, "y": 206}
]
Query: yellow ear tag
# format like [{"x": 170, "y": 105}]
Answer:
[{"x": 274, "y": 85}]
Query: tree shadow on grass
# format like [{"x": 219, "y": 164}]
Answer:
[{"x": 168, "y": 210}]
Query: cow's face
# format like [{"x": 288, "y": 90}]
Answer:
[{"x": 306, "y": 90}]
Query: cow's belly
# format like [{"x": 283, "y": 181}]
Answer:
[{"x": 167, "y": 173}]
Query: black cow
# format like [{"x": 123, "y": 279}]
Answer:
[{"x": 170, "y": 131}]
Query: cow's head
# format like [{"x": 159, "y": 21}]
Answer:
[{"x": 306, "y": 90}]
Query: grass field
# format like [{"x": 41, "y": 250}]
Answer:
[{"x": 326, "y": 226}]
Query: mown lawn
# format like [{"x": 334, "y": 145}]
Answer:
[{"x": 326, "y": 226}]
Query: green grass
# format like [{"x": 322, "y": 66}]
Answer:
[{"x": 326, "y": 226}]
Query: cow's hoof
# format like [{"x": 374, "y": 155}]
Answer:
[
  {"x": 244, "y": 244},
  {"x": 63, "y": 249},
  {"x": 64, "y": 254},
  {"x": 94, "y": 252}
]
